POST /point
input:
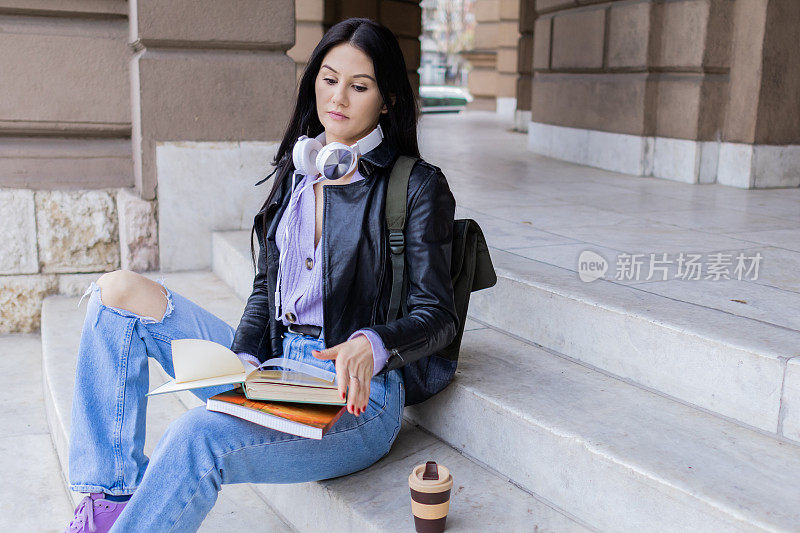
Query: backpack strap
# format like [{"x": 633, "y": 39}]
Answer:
[{"x": 396, "y": 199}]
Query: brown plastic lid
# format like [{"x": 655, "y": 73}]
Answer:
[
  {"x": 431, "y": 472},
  {"x": 430, "y": 477}
]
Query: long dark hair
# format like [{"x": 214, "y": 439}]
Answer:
[{"x": 399, "y": 124}]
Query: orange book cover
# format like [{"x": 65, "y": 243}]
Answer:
[{"x": 319, "y": 416}]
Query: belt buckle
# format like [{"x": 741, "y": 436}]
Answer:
[{"x": 289, "y": 327}]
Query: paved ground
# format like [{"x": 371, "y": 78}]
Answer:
[
  {"x": 551, "y": 211},
  {"x": 32, "y": 495}
]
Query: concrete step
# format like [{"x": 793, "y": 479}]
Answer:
[
  {"x": 232, "y": 262},
  {"x": 616, "y": 455},
  {"x": 32, "y": 477},
  {"x": 726, "y": 364},
  {"x": 733, "y": 366},
  {"x": 370, "y": 500}
]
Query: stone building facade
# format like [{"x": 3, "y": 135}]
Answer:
[
  {"x": 699, "y": 91},
  {"x": 495, "y": 58},
  {"x": 130, "y": 130}
]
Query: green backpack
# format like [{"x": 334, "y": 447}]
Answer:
[{"x": 471, "y": 270}]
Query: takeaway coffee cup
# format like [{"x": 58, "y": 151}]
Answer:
[{"x": 430, "y": 486}]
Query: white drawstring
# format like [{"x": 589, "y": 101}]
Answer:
[{"x": 85, "y": 294}]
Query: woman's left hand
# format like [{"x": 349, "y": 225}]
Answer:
[{"x": 353, "y": 358}]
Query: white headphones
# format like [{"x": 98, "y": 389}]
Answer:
[{"x": 332, "y": 160}]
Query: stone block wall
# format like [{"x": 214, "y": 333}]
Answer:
[
  {"x": 61, "y": 119},
  {"x": 483, "y": 76},
  {"x": 692, "y": 85},
  {"x": 202, "y": 71},
  {"x": 500, "y": 75},
  {"x": 130, "y": 131},
  {"x": 507, "y": 51},
  {"x": 90, "y": 88},
  {"x": 309, "y": 17},
  {"x": 525, "y": 52},
  {"x": 59, "y": 240}
]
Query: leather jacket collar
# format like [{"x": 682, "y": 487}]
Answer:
[{"x": 381, "y": 156}]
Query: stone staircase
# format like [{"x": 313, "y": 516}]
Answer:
[
  {"x": 576, "y": 406},
  {"x": 375, "y": 499}
]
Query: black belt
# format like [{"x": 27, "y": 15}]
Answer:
[{"x": 305, "y": 329}]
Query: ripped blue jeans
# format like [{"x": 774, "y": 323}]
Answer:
[{"x": 200, "y": 450}]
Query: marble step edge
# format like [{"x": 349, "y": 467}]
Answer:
[
  {"x": 580, "y": 438},
  {"x": 528, "y": 507},
  {"x": 737, "y": 367},
  {"x": 656, "y": 478},
  {"x": 233, "y": 250},
  {"x": 730, "y": 365}
]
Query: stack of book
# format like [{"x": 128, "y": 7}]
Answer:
[{"x": 299, "y": 398}]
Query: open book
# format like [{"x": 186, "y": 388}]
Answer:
[{"x": 202, "y": 363}]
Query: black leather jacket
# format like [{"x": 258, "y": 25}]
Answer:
[{"x": 356, "y": 267}]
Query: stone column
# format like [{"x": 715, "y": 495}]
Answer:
[
  {"x": 699, "y": 91},
  {"x": 211, "y": 93},
  {"x": 508, "y": 42},
  {"x": 309, "y": 15},
  {"x": 483, "y": 79},
  {"x": 761, "y": 129},
  {"x": 527, "y": 18},
  {"x": 204, "y": 70}
]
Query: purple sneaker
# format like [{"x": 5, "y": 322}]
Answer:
[{"x": 95, "y": 514}]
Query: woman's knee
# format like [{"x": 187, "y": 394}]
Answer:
[
  {"x": 190, "y": 436},
  {"x": 133, "y": 292}
]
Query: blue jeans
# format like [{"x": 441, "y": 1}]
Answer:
[{"x": 201, "y": 450}]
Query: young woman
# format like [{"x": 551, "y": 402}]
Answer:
[{"x": 320, "y": 295}]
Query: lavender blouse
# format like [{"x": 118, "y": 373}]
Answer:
[{"x": 301, "y": 271}]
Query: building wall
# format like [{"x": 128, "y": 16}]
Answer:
[
  {"x": 500, "y": 59},
  {"x": 693, "y": 90},
  {"x": 64, "y": 120},
  {"x": 130, "y": 131},
  {"x": 92, "y": 93},
  {"x": 483, "y": 79},
  {"x": 524, "y": 82},
  {"x": 642, "y": 68},
  {"x": 309, "y": 16}
]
